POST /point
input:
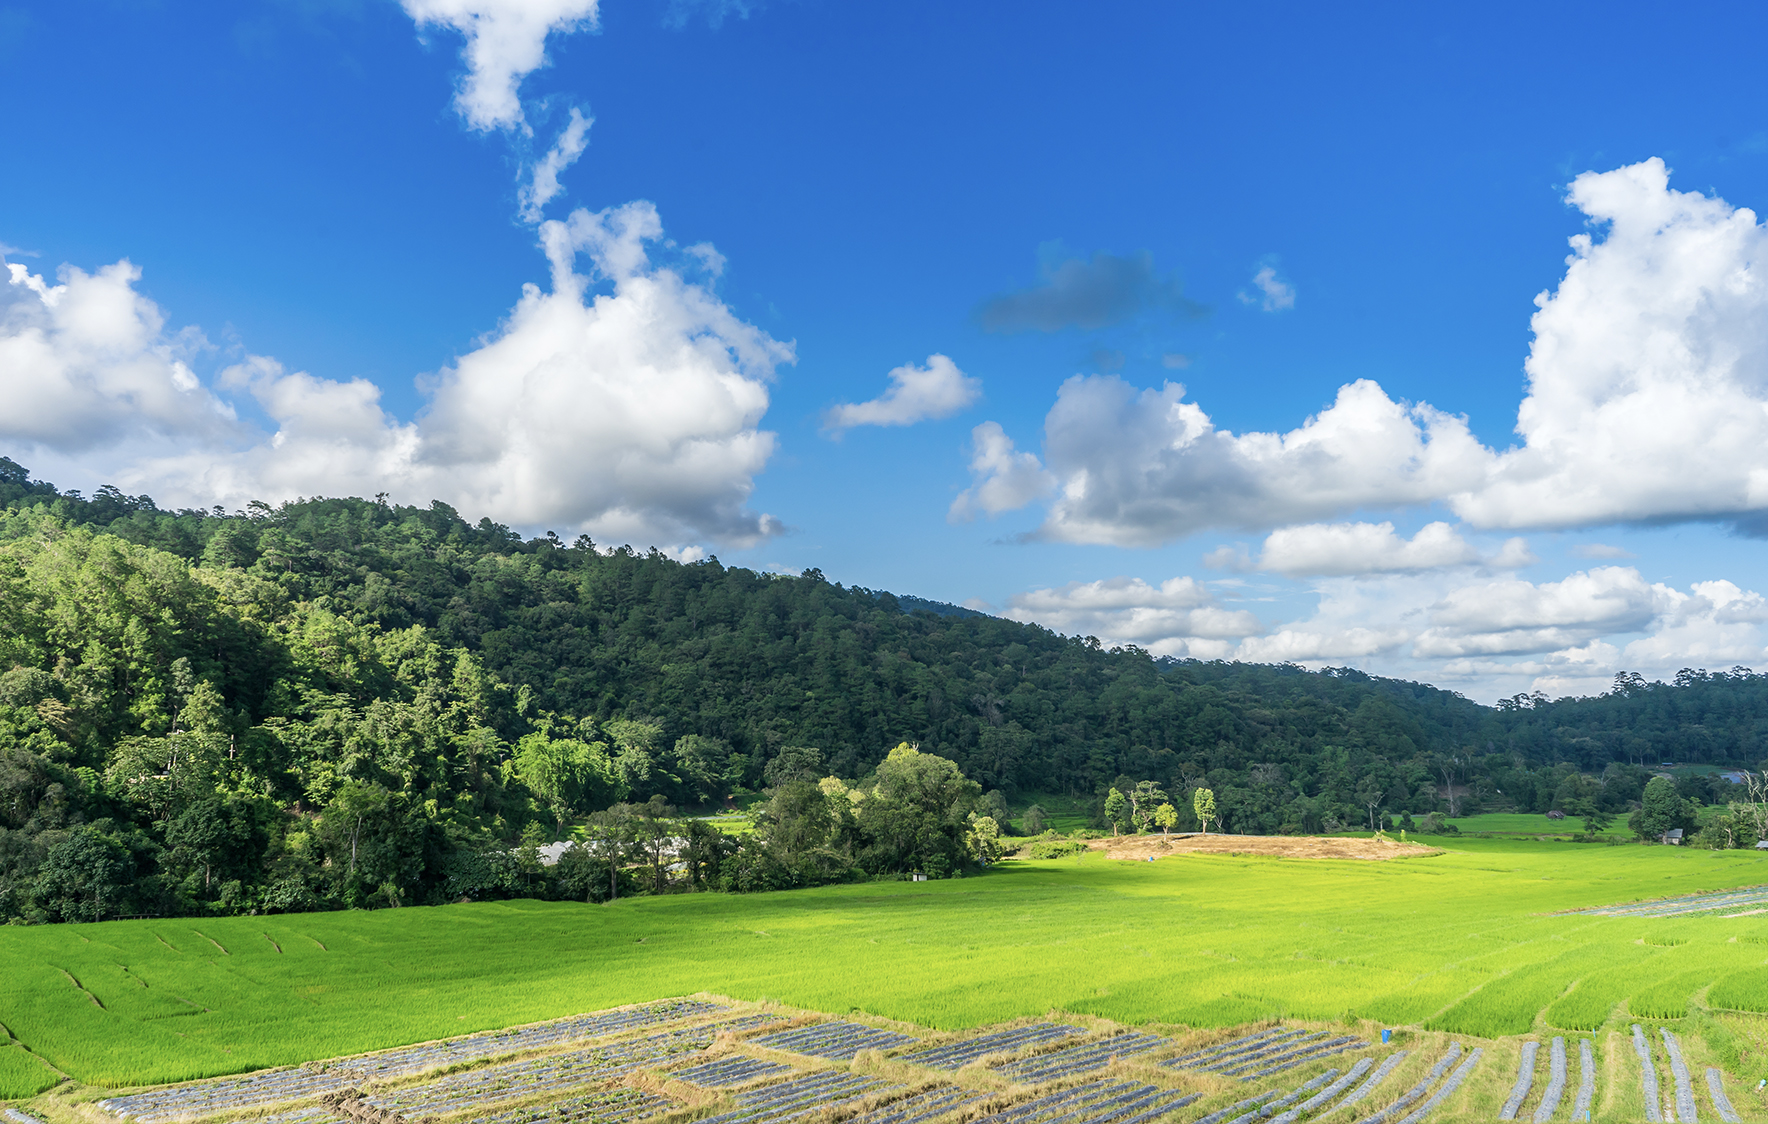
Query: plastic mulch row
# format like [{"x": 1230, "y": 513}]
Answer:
[
  {"x": 1555, "y": 1083},
  {"x": 1721, "y": 1102},
  {"x": 1081, "y": 1057},
  {"x": 1685, "y": 1110},
  {"x": 1332, "y": 1090},
  {"x": 1373, "y": 1083},
  {"x": 270, "y": 1086},
  {"x": 731, "y": 1071},
  {"x": 958, "y": 1054},
  {"x": 1647, "y": 1076},
  {"x": 1249, "y": 1058},
  {"x": 921, "y": 1107},
  {"x": 1447, "y": 1088},
  {"x": 1249, "y": 1042},
  {"x": 1313, "y": 1053},
  {"x": 788, "y": 1099},
  {"x": 1415, "y": 1093},
  {"x": 836, "y": 1040},
  {"x": 511, "y": 1081},
  {"x": 1525, "y": 1081},
  {"x": 1285, "y": 1101},
  {"x": 1270, "y": 1045}
]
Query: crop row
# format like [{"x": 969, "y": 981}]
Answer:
[
  {"x": 1415, "y": 1093},
  {"x": 1203, "y": 1059},
  {"x": 1331, "y": 1090},
  {"x": 1285, "y": 1101},
  {"x": 838, "y": 1041},
  {"x": 1555, "y": 1083},
  {"x": 1647, "y": 1076},
  {"x": 1447, "y": 1088},
  {"x": 959, "y": 1054},
  {"x": 788, "y": 1099},
  {"x": 271, "y": 1086},
  {"x": 1721, "y": 1102},
  {"x": 1300, "y": 1056},
  {"x": 515, "y": 1080},
  {"x": 1690, "y": 903},
  {"x": 1586, "y": 1080},
  {"x": 737, "y": 1070},
  {"x": 1098, "y": 1102},
  {"x": 922, "y": 1107},
  {"x": 1081, "y": 1057},
  {"x": 1374, "y": 1082},
  {"x": 1235, "y": 1064},
  {"x": 1685, "y": 1109},
  {"x": 1525, "y": 1081},
  {"x": 613, "y": 1106}
]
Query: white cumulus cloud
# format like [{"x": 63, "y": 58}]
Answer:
[
  {"x": 630, "y": 412},
  {"x": 1647, "y": 401},
  {"x": 87, "y": 362},
  {"x": 505, "y": 42},
  {"x": 1004, "y": 479},
  {"x": 1141, "y": 467},
  {"x": 1362, "y": 548},
  {"x": 1514, "y": 616},
  {"x": 1490, "y": 638},
  {"x": 936, "y": 390},
  {"x": 1179, "y": 616}
]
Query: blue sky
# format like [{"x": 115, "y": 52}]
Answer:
[{"x": 1044, "y": 218}]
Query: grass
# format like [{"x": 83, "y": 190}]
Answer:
[
  {"x": 1467, "y": 942},
  {"x": 1061, "y": 813},
  {"x": 22, "y": 1075},
  {"x": 1534, "y": 825}
]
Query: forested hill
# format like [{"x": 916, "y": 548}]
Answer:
[{"x": 333, "y": 644}]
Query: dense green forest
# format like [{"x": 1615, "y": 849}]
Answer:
[{"x": 348, "y": 702}]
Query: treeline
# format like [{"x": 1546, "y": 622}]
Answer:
[{"x": 214, "y": 711}]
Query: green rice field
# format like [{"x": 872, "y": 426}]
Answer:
[{"x": 1470, "y": 941}]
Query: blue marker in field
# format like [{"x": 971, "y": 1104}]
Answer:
[{"x": 1385, "y": 1035}]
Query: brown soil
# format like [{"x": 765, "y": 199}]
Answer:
[{"x": 1142, "y": 847}]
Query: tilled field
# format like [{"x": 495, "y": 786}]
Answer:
[{"x": 713, "y": 1062}]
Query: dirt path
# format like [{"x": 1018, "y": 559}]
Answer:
[{"x": 1142, "y": 847}]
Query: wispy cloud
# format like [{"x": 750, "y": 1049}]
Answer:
[{"x": 1087, "y": 293}]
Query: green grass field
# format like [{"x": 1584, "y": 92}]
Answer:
[
  {"x": 1466, "y": 941},
  {"x": 1531, "y": 825}
]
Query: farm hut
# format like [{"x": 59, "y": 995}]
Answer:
[
  {"x": 1762, "y": 845},
  {"x": 1673, "y": 837},
  {"x": 917, "y": 876}
]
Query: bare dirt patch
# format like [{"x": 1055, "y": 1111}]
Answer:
[{"x": 1144, "y": 847}]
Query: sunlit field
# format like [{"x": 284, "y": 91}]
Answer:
[{"x": 1470, "y": 941}]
